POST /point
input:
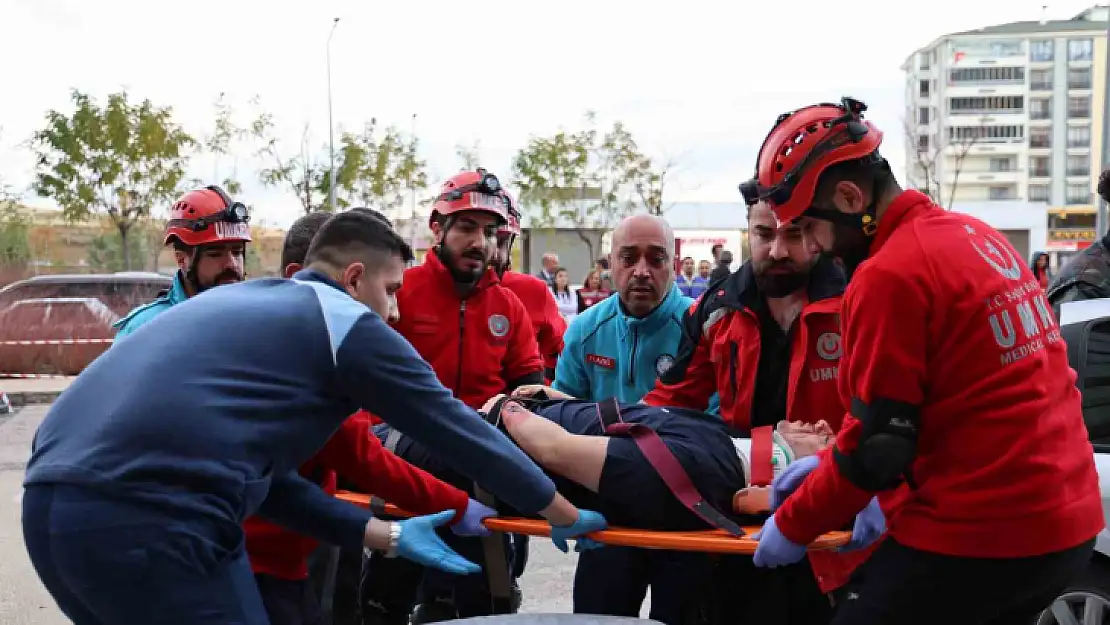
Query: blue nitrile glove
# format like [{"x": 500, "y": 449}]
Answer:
[
  {"x": 471, "y": 522},
  {"x": 775, "y": 549},
  {"x": 420, "y": 543},
  {"x": 790, "y": 479},
  {"x": 588, "y": 521},
  {"x": 868, "y": 527}
]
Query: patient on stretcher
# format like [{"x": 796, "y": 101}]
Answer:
[{"x": 611, "y": 474}]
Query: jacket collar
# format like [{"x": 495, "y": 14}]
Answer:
[
  {"x": 177, "y": 292},
  {"x": 826, "y": 281},
  {"x": 312, "y": 275},
  {"x": 436, "y": 267},
  {"x": 908, "y": 206},
  {"x": 654, "y": 320}
]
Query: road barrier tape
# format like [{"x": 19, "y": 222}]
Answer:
[
  {"x": 60, "y": 342},
  {"x": 32, "y": 376}
]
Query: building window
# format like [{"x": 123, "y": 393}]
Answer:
[
  {"x": 1040, "y": 137},
  {"x": 1079, "y": 165},
  {"x": 1081, "y": 49},
  {"x": 923, "y": 115},
  {"x": 923, "y": 60},
  {"x": 1040, "y": 80},
  {"x": 1041, "y": 50},
  {"x": 1040, "y": 108},
  {"x": 1079, "y": 136},
  {"x": 922, "y": 143},
  {"x": 1001, "y": 164},
  {"x": 1079, "y": 107},
  {"x": 990, "y": 104},
  {"x": 1039, "y": 166},
  {"x": 986, "y": 134},
  {"x": 923, "y": 88},
  {"x": 992, "y": 75},
  {"x": 1078, "y": 194},
  {"x": 1079, "y": 78},
  {"x": 1001, "y": 193},
  {"x": 1038, "y": 193}
]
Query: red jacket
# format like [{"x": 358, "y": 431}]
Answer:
[
  {"x": 356, "y": 454},
  {"x": 477, "y": 345},
  {"x": 945, "y": 316},
  {"x": 719, "y": 353},
  {"x": 544, "y": 313}
]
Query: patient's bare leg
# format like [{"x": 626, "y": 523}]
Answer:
[{"x": 576, "y": 457}]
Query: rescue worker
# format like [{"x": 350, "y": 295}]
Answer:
[
  {"x": 1087, "y": 274},
  {"x": 618, "y": 347},
  {"x": 279, "y": 556},
  {"x": 209, "y": 232},
  {"x": 690, "y": 284},
  {"x": 956, "y": 382},
  {"x": 548, "y": 323},
  {"x": 479, "y": 339},
  {"x": 768, "y": 337},
  {"x": 143, "y": 472}
]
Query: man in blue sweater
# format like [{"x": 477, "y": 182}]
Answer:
[{"x": 145, "y": 468}]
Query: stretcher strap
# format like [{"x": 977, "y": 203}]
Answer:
[
  {"x": 763, "y": 472},
  {"x": 497, "y": 563},
  {"x": 377, "y": 504},
  {"x": 666, "y": 466}
]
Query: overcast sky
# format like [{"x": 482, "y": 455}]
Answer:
[{"x": 698, "y": 81}]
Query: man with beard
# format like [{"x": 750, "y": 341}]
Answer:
[
  {"x": 209, "y": 232},
  {"x": 777, "y": 318},
  {"x": 956, "y": 383},
  {"x": 618, "y": 347},
  {"x": 478, "y": 338}
]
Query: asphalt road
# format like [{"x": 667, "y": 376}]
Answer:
[{"x": 23, "y": 600}]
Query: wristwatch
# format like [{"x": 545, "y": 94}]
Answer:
[{"x": 394, "y": 540}]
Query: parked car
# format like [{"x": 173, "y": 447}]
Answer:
[
  {"x": 54, "y": 335},
  {"x": 118, "y": 291}
]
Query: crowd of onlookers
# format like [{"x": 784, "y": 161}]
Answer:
[{"x": 692, "y": 279}]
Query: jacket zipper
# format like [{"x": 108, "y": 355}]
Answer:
[
  {"x": 462, "y": 331},
  {"x": 632, "y": 361},
  {"x": 733, "y": 356}
]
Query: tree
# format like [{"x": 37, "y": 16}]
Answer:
[
  {"x": 219, "y": 143},
  {"x": 120, "y": 159},
  {"x": 935, "y": 156},
  {"x": 376, "y": 172},
  {"x": 469, "y": 156},
  {"x": 106, "y": 252},
  {"x": 582, "y": 180},
  {"x": 301, "y": 173},
  {"x": 15, "y": 225}
]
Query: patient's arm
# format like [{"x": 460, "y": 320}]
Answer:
[
  {"x": 577, "y": 457},
  {"x": 530, "y": 390}
]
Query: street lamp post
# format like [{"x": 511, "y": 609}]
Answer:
[{"x": 331, "y": 128}]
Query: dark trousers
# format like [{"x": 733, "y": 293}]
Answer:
[
  {"x": 744, "y": 594},
  {"x": 113, "y": 562},
  {"x": 394, "y": 586},
  {"x": 289, "y": 602},
  {"x": 614, "y": 581},
  {"x": 907, "y": 586}
]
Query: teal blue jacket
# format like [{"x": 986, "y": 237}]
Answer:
[
  {"x": 143, "y": 314},
  {"x": 609, "y": 354}
]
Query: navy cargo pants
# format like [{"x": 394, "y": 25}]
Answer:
[{"x": 114, "y": 562}]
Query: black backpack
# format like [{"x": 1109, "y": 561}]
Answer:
[{"x": 1089, "y": 354}]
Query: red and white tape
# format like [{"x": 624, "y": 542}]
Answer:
[
  {"x": 32, "y": 376},
  {"x": 60, "y": 342}
]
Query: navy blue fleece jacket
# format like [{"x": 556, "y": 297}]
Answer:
[{"x": 211, "y": 407}]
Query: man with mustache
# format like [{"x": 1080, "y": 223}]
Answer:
[
  {"x": 956, "y": 383},
  {"x": 209, "y": 232},
  {"x": 479, "y": 339},
  {"x": 767, "y": 339}
]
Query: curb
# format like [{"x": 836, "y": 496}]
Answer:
[{"x": 29, "y": 398}]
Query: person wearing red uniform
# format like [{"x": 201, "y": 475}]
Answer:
[
  {"x": 479, "y": 339},
  {"x": 278, "y": 556},
  {"x": 533, "y": 293},
  {"x": 767, "y": 339},
  {"x": 956, "y": 383}
]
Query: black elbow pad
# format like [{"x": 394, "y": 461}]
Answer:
[{"x": 887, "y": 444}]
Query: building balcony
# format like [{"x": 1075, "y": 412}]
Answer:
[
  {"x": 979, "y": 175},
  {"x": 1040, "y": 173},
  {"x": 968, "y": 89}
]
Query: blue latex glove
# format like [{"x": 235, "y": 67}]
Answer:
[
  {"x": 868, "y": 527},
  {"x": 420, "y": 543},
  {"x": 790, "y": 479},
  {"x": 471, "y": 522},
  {"x": 775, "y": 549},
  {"x": 588, "y": 521}
]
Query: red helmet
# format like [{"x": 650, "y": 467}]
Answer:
[
  {"x": 206, "y": 216},
  {"x": 472, "y": 191},
  {"x": 512, "y": 223},
  {"x": 802, "y": 145}
]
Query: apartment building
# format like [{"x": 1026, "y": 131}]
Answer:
[{"x": 1012, "y": 113}]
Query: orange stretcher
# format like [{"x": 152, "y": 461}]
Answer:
[{"x": 706, "y": 541}]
